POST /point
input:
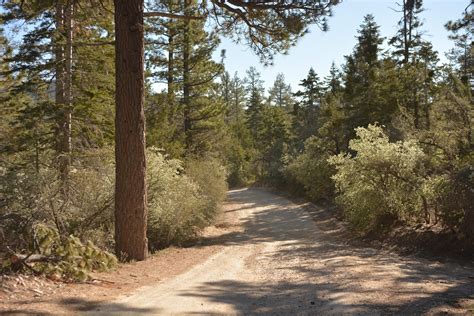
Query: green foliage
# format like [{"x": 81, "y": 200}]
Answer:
[
  {"x": 383, "y": 178},
  {"x": 180, "y": 53},
  {"x": 307, "y": 108},
  {"x": 270, "y": 27},
  {"x": 210, "y": 176},
  {"x": 66, "y": 257},
  {"x": 273, "y": 146},
  {"x": 280, "y": 94},
  {"x": 35, "y": 196},
  {"x": 312, "y": 171},
  {"x": 173, "y": 219}
]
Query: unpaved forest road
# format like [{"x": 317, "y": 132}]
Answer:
[{"x": 283, "y": 262}]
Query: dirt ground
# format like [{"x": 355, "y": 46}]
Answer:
[
  {"x": 267, "y": 255},
  {"x": 40, "y": 296}
]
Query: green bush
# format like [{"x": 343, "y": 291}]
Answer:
[
  {"x": 383, "y": 179},
  {"x": 454, "y": 195},
  {"x": 313, "y": 172},
  {"x": 180, "y": 203},
  {"x": 32, "y": 195},
  {"x": 210, "y": 177},
  {"x": 63, "y": 257}
]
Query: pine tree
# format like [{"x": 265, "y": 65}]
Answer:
[
  {"x": 311, "y": 95},
  {"x": 238, "y": 145},
  {"x": 5, "y": 86},
  {"x": 417, "y": 59},
  {"x": 280, "y": 94},
  {"x": 255, "y": 103},
  {"x": 307, "y": 107},
  {"x": 333, "y": 81},
  {"x": 130, "y": 183},
  {"x": 361, "y": 88},
  {"x": 54, "y": 56},
  {"x": 368, "y": 42},
  {"x": 237, "y": 98},
  {"x": 189, "y": 71},
  {"x": 408, "y": 36},
  {"x": 226, "y": 91},
  {"x": 463, "y": 53},
  {"x": 274, "y": 143}
]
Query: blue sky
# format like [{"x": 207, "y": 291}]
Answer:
[{"x": 319, "y": 49}]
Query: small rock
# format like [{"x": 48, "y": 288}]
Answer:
[{"x": 312, "y": 303}]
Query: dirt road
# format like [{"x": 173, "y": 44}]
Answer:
[{"x": 283, "y": 260}]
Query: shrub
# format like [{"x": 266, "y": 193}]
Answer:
[
  {"x": 62, "y": 257},
  {"x": 180, "y": 204},
  {"x": 210, "y": 176},
  {"x": 31, "y": 196},
  {"x": 454, "y": 196},
  {"x": 383, "y": 179},
  {"x": 313, "y": 172}
]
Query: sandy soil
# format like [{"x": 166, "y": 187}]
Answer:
[{"x": 271, "y": 256}]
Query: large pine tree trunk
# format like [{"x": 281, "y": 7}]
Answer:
[{"x": 130, "y": 186}]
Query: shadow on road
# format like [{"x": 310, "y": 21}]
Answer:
[
  {"x": 84, "y": 305},
  {"x": 290, "y": 298},
  {"x": 351, "y": 268}
]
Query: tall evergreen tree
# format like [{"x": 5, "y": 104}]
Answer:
[
  {"x": 54, "y": 56},
  {"x": 130, "y": 184},
  {"x": 239, "y": 143},
  {"x": 332, "y": 82},
  {"x": 255, "y": 103},
  {"x": 312, "y": 91},
  {"x": 361, "y": 88},
  {"x": 181, "y": 55},
  {"x": 306, "y": 109},
  {"x": 408, "y": 36},
  {"x": 417, "y": 59},
  {"x": 463, "y": 53},
  {"x": 237, "y": 97},
  {"x": 280, "y": 93}
]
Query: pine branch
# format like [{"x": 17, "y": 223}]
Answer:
[{"x": 172, "y": 16}]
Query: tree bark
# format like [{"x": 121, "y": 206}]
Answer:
[
  {"x": 60, "y": 74},
  {"x": 130, "y": 185},
  {"x": 405, "y": 33},
  {"x": 66, "y": 141},
  {"x": 186, "y": 78},
  {"x": 171, "y": 80}
]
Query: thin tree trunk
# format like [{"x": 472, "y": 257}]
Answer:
[
  {"x": 405, "y": 33},
  {"x": 66, "y": 143},
  {"x": 171, "y": 94},
  {"x": 416, "y": 108},
  {"x": 130, "y": 185},
  {"x": 186, "y": 78},
  {"x": 60, "y": 73},
  {"x": 171, "y": 66}
]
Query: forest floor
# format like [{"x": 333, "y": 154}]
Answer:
[{"x": 265, "y": 255}]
